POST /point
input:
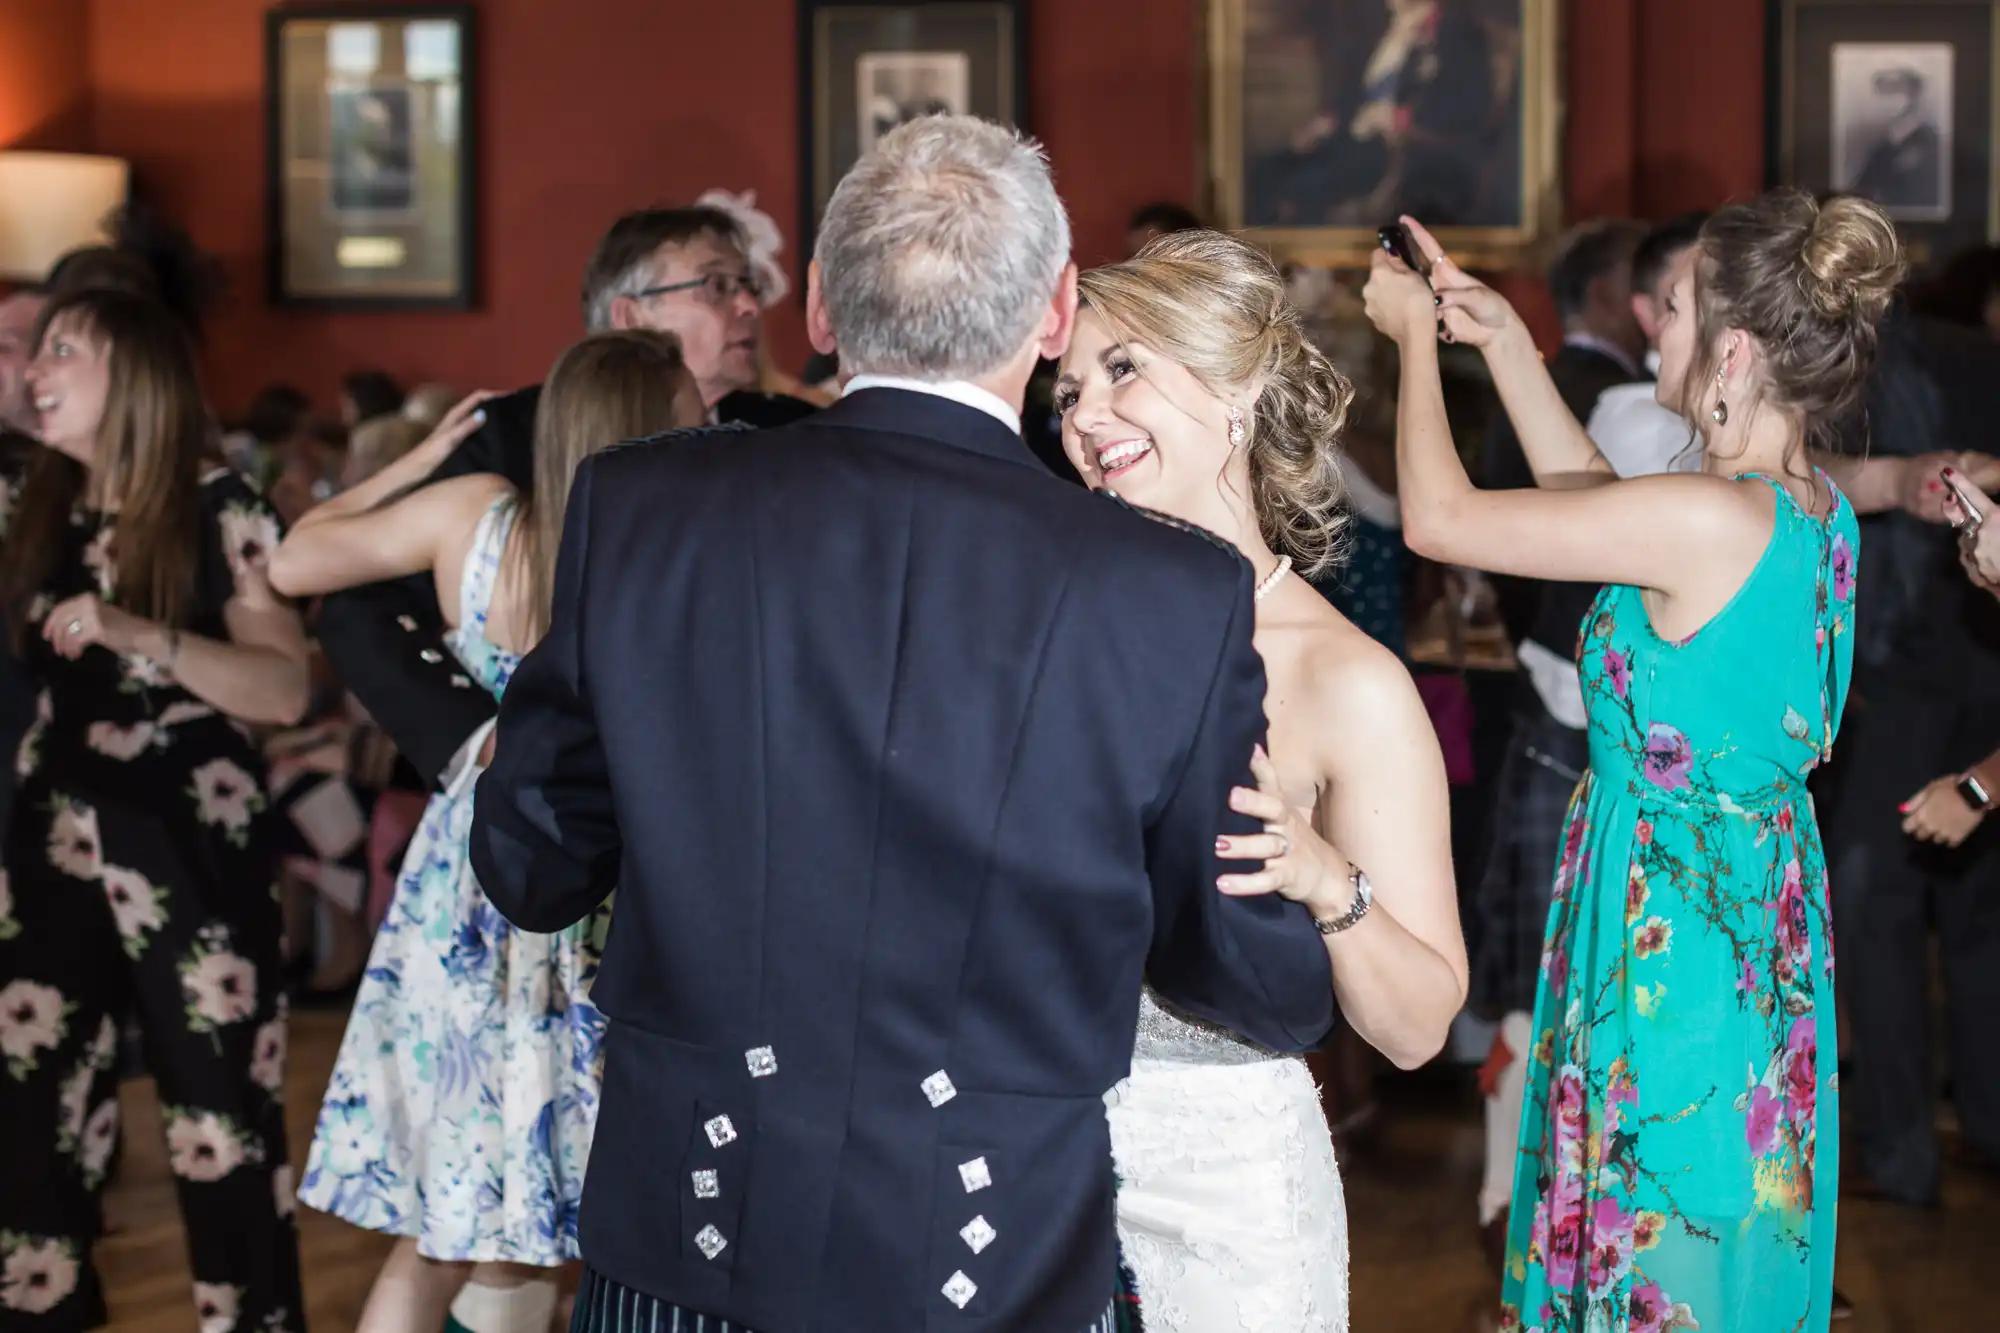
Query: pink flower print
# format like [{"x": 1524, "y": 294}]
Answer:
[
  {"x": 1555, "y": 966},
  {"x": 1785, "y": 820},
  {"x": 1669, "y": 757},
  {"x": 1843, "y": 569},
  {"x": 1562, "y": 1251},
  {"x": 125, "y": 743},
  {"x": 97, "y": 559},
  {"x": 224, "y": 794},
  {"x": 1802, "y": 1072},
  {"x": 1761, "y": 1127},
  {"x": 1649, "y": 1308},
  {"x": 1656, "y": 936},
  {"x": 1643, "y": 832},
  {"x": 1619, "y": 668},
  {"x": 1747, "y": 983},
  {"x": 1637, "y": 892},
  {"x": 201, "y": 1146},
  {"x": 33, "y": 1018},
  {"x": 217, "y": 1305},
  {"x": 221, "y": 987},
  {"x": 135, "y": 906},
  {"x": 1610, "y": 1247},
  {"x": 1794, "y": 931},
  {"x": 248, "y": 537},
  {"x": 1621, "y": 1095},
  {"x": 267, "y": 1061},
  {"x": 36, "y": 1275},
  {"x": 74, "y": 847},
  {"x": 100, "y": 1135}
]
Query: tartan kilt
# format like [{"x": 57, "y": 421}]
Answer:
[{"x": 1509, "y": 914}]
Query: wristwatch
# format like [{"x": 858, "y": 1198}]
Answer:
[
  {"x": 1364, "y": 897},
  {"x": 1974, "y": 791}
]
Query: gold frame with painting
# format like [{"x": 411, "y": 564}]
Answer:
[{"x": 1529, "y": 84}]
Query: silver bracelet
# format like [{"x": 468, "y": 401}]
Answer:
[{"x": 1364, "y": 898}]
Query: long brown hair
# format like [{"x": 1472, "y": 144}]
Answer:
[
  {"x": 608, "y": 388},
  {"x": 146, "y": 461}
]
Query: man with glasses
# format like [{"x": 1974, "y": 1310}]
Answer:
[{"x": 683, "y": 271}]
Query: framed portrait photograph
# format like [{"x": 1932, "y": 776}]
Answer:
[
  {"x": 864, "y": 69},
  {"x": 1328, "y": 118},
  {"x": 369, "y": 181},
  {"x": 1892, "y": 100}
]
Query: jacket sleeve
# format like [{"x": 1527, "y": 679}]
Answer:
[
  {"x": 387, "y": 642},
  {"x": 545, "y": 840},
  {"x": 1255, "y": 965}
]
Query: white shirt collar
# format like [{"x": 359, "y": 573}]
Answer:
[
  {"x": 959, "y": 391},
  {"x": 1653, "y": 362}
]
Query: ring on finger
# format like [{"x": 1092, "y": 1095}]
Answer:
[{"x": 74, "y": 627}]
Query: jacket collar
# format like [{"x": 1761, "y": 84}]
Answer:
[{"x": 930, "y": 417}]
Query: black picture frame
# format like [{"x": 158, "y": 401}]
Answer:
[
  {"x": 1836, "y": 68},
  {"x": 969, "y": 54},
  {"x": 391, "y": 221}
]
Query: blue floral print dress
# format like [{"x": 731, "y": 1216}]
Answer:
[
  {"x": 465, "y": 1094},
  {"x": 1679, "y": 1145}
]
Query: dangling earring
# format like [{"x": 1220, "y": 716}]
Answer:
[
  {"x": 1721, "y": 409},
  {"x": 1236, "y": 431}
]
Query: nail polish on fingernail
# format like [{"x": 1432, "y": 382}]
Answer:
[
  {"x": 480, "y": 416},
  {"x": 1222, "y": 844},
  {"x": 1903, "y": 809}
]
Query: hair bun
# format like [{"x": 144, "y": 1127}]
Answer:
[{"x": 1853, "y": 260}]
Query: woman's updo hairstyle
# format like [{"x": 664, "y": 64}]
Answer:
[
  {"x": 1810, "y": 282},
  {"x": 1217, "y": 306}
]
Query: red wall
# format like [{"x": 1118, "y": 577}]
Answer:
[
  {"x": 596, "y": 106},
  {"x": 44, "y": 74}
]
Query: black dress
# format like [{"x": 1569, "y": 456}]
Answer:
[{"x": 140, "y": 860}]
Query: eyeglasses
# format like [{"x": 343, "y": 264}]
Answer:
[{"x": 716, "y": 288}]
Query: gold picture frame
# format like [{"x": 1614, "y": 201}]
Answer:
[{"x": 1315, "y": 192}]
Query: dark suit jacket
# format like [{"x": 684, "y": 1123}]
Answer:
[
  {"x": 906, "y": 759},
  {"x": 1546, "y": 612},
  {"x": 387, "y": 640}
]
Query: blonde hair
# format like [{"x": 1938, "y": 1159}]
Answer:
[
  {"x": 1809, "y": 282},
  {"x": 1217, "y": 307},
  {"x": 609, "y": 388},
  {"x": 378, "y": 442}
]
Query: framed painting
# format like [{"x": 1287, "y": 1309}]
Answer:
[
  {"x": 866, "y": 68},
  {"x": 1893, "y": 100},
  {"x": 1328, "y": 118},
  {"x": 369, "y": 179}
]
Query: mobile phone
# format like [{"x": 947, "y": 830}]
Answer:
[
  {"x": 1974, "y": 509},
  {"x": 1395, "y": 238}
]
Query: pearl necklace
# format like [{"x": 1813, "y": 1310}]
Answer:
[{"x": 1272, "y": 579}]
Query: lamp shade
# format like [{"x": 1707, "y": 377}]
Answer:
[{"x": 51, "y": 203}]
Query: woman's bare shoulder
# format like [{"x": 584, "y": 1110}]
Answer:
[{"x": 1358, "y": 694}]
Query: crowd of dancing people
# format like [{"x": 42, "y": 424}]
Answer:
[{"x": 796, "y": 861}]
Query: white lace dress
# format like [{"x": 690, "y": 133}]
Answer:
[{"x": 1230, "y": 1209}]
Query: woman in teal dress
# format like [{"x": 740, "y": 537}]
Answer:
[{"x": 1678, "y": 1155}]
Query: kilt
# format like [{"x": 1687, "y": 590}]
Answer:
[{"x": 1509, "y": 914}]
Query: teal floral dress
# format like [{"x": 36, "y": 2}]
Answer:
[{"x": 1679, "y": 1145}]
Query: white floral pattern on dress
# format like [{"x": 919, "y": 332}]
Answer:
[
  {"x": 33, "y": 1018},
  {"x": 100, "y": 1136},
  {"x": 267, "y": 1060},
  {"x": 138, "y": 906},
  {"x": 29, "y": 755},
  {"x": 9, "y": 927},
  {"x": 204, "y": 1146},
  {"x": 462, "y": 1103},
  {"x": 117, "y": 742},
  {"x": 74, "y": 846},
  {"x": 217, "y": 1304},
  {"x": 220, "y": 984},
  {"x": 37, "y": 1273},
  {"x": 249, "y": 535},
  {"x": 226, "y": 797}
]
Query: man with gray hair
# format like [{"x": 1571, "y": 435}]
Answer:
[{"x": 907, "y": 761}]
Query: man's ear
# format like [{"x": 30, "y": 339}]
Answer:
[
  {"x": 819, "y": 328},
  {"x": 1060, "y": 322}
]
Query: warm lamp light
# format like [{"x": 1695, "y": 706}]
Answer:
[{"x": 51, "y": 203}]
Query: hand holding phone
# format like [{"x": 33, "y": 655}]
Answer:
[
  {"x": 1395, "y": 238},
  {"x": 1972, "y": 510}
]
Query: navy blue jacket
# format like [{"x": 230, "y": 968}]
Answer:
[{"x": 907, "y": 760}]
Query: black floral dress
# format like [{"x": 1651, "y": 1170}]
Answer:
[{"x": 139, "y": 863}]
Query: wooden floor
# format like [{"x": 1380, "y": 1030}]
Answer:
[{"x": 1416, "y": 1265}]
